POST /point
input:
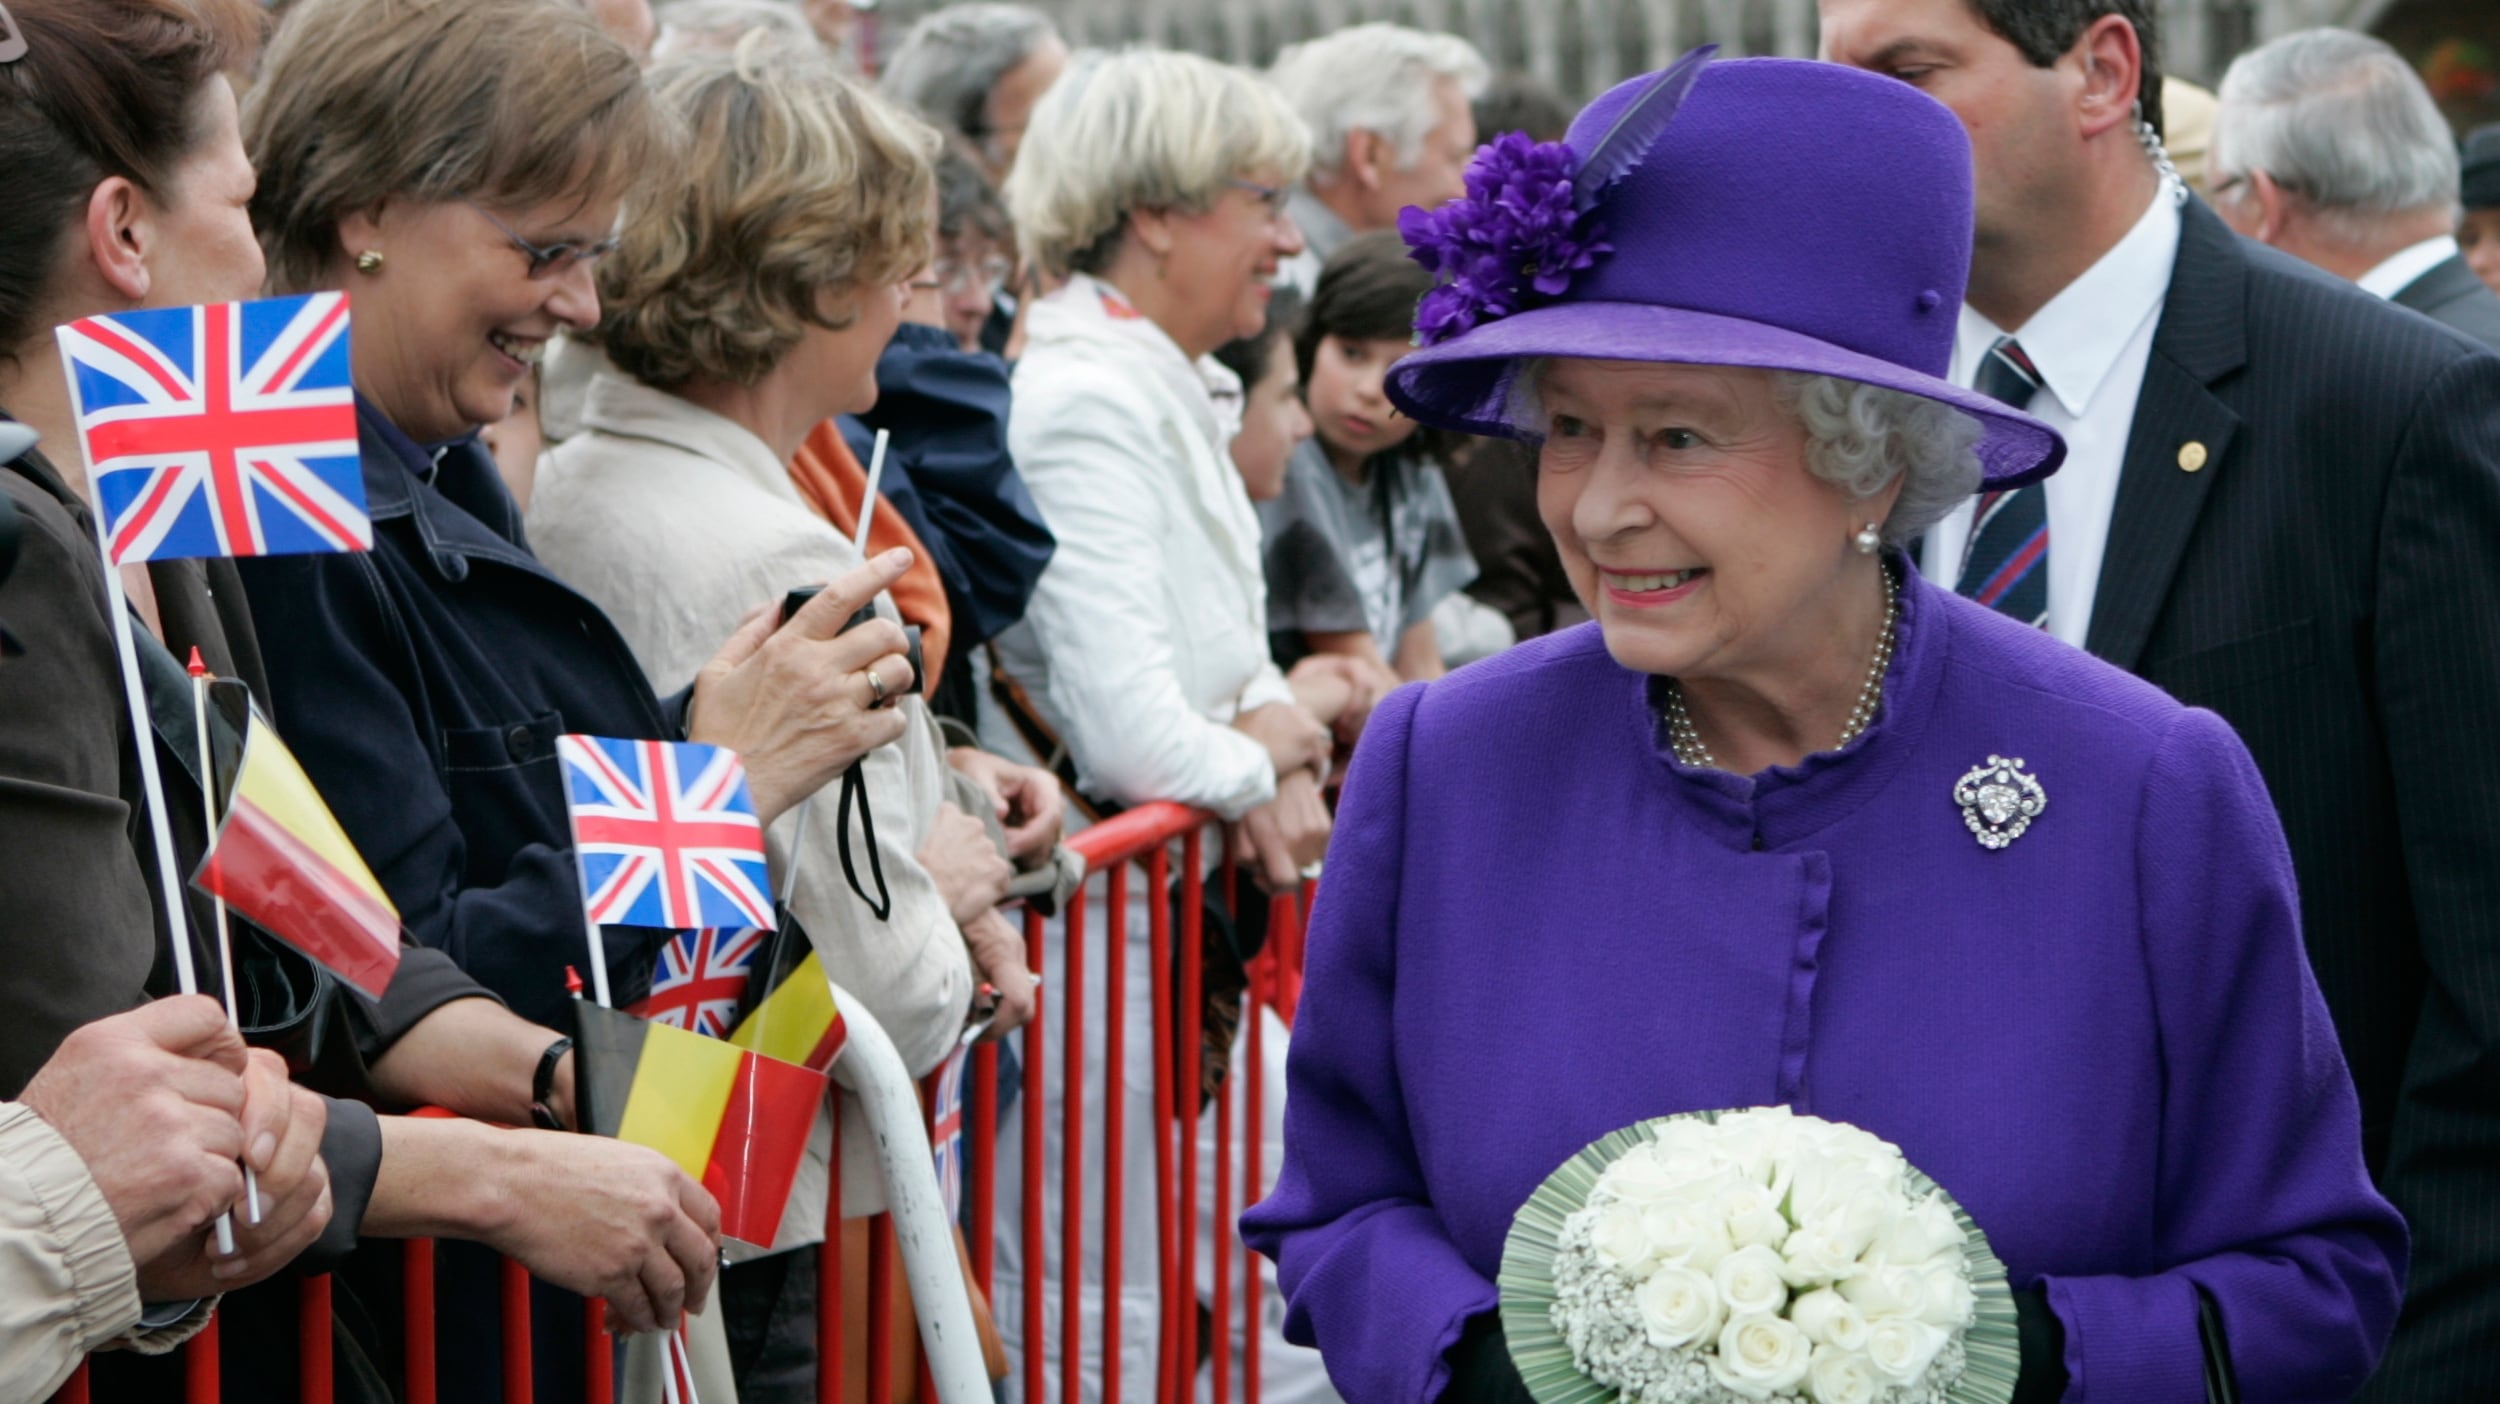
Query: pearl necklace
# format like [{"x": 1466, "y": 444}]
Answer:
[{"x": 1694, "y": 752}]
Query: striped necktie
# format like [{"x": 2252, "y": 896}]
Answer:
[{"x": 2005, "y": 564}]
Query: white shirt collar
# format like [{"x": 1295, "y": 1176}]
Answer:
[
  {"x": 627, "y": 408},
  {"x": 2402, "y": 267},
  {"x": 2077, "y": 338}
]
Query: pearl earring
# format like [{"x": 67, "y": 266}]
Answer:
[
  {"x": 370, "y": 261},
  {"x": 1868, "y": 540}
]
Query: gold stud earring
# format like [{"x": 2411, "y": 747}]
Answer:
[
  {"x": 370, "y": 261},
  {"x": 1868, "y": 540}
]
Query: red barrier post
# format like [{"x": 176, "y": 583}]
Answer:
[
  {"x": 416, "y": 1288},
  {"x": 1072, "y": 1156},
  {"x": 1185, "y": 1098},
  {"x": 1114, "y": 1112},
  {"x": 1167, "y": 1260},
  {"x": 312, "y": 1327},
  {"x": 1220, "y": 1313},
  {"x": 981, "y": 1185},
  {"x": 1034, "y": 1274},
  {"x": 74, "y": 1389},
  {"x": 829, "y": 1279},
  {"x": 199, "y": 1366},
  {"x": 516, "y": 1331},
  {"x": 880, "y": 1309},
  {"x": 599, "y": 1353},
  {"x": 1254, "y": 1138}
]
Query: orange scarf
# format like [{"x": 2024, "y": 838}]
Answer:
[{"x": 833, "y": 482}]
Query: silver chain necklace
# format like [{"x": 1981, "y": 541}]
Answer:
[{"x": 1694, "y": 752}]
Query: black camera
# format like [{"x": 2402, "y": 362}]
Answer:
[{"x": 791, "y": 603}]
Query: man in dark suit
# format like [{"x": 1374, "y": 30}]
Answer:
[
  {"x": 2283, "y": 503},
  {"x": 2328, "y": 147}
]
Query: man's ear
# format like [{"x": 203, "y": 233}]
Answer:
[
  {"x": 1366, "y": 158},
  {"x": 121, "y": 233},
  {"x": 2277, "y": 208},
  {"x": 2113, "y": 75}
]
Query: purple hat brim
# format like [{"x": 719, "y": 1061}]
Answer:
[{"x": 1465, "y": 383}]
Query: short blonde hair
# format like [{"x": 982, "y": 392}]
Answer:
[
  {"x": 1141, "y": 129},
  {"x": 508, "y": 101},
  {"x": 795, "y": 180}
]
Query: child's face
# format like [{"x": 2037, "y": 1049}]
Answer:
[
  {"x": 1349, "y": 408},
  {"x": 1273, "y": 424}
]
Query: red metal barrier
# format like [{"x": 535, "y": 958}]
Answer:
[{"x": 1146, "y": 839}]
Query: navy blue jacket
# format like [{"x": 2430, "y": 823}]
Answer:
[{"x": 424, "y": 685}]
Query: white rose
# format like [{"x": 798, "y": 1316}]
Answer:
[
  {"x": 1760, "y": 1356},
  {"x": 1841, "y": 1377},
  {"x": 1951, "y": 1303},
  {"x": 1750, "y": 1280},
  {"x": 1620, "y": 1241},
  {"x": 1818, "y": 1253},
  {"x": 1901, "y": 1348},
  {"x": 1886, "y": 1292},
  {"x": 1759, "y": 1142},
  {"x": 1641, "y": 1177},
  {"x": 1911, "y": 1238},
  {"x": 1679, "y": 1308},
  {"x": 1827, "y": 1319},
  {"x": 1752, "y": 1215},
  {"x": 1687, "y": 1235}
]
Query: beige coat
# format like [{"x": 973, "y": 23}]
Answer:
[
  {"x": 67, "y": 1285},
  {"x": 678, "y": 522}
]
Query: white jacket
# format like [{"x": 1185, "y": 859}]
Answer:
[
  {"x": 678, "y": 522},
  {"x": 1147, "y": 634}
]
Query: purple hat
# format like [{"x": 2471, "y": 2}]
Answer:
[{"x": 1768, "y": 213}]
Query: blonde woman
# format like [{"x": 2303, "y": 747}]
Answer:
[
  {"x": 746, "y": 304},
  {"x": 1151, "y": 190}
]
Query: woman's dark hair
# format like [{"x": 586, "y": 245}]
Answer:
[
  {"x": 106, "y": 88},
  {"x": 1519, "y": 103},
  {"x": 1251, "y": 356},
  {"x": 1367, "y": 291},
  {"x": 967, "y": 202}
]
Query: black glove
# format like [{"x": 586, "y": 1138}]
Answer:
[
  {"x": 2043, "y": 1337},
  {"x": 1481, "y": 1371}
]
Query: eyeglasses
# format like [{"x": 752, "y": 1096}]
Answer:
[
  {"x": 990, "y": 274},
  {"x": 1272, "y": 196},
  {"x": 548, "y": 260}
]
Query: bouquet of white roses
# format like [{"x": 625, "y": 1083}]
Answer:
[{"x": 1754, "y": 1255}]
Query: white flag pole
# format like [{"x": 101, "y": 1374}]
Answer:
[
  {"x": 225, "y": 940},
  {"x": 868, "y": 500},
  {"x": 143, "y": 737}
]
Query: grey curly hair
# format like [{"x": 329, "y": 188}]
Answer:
[{"x": 1859, "y": 437}]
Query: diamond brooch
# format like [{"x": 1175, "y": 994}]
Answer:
[{"x": 1999, "y": 801}]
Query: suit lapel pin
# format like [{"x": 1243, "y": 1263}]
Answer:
[
  {"x": 1999, "y": 800},
  {"x": 2191, "y": 456}
]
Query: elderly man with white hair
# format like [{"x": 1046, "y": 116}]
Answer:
[
  {"x": 1390, "y": 127},
  {"x": 977, "y": 70},
  {"x": 2329, "y": 147}
]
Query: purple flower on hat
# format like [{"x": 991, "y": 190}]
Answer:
[{"x": 1515, "y": 239}]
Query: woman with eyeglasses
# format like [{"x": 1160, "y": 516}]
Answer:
[{"x": 457, "y": 167}]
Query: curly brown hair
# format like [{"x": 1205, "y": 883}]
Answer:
[{"x": 796, "y": 182}]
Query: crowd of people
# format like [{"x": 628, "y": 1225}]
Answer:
[{"x": 1147, "y": 428}]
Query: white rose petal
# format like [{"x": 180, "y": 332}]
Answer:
[
  {"x": 1753, "y": 1217},
  {"x": 1951, "y": 1303},
  {"x": 1919, "y": 1234},
  {"x": 1827, "y": 1319},
  {"x": 1686, "y": 1235},
  {"x": 1620, "y": 1241},
  {"x": 1751, "y": 1281},
  {"x": 1887, "y": 1292},
  {"x": 1760, "y": 1356},
  {"x": 1901, "y": 1349},
  {"x": 1842, "y": 1377},
  {"x": 1679, "y": 1308}
]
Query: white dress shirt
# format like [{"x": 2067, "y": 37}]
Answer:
[
  {"x": 2091, "y": 344},
  {"x": 2402, "y": 267}
]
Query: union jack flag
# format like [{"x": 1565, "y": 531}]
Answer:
[
  {"x": 701, "y": 980},
  {"x": 946, "y": 1127},
  {"x": 665, "y": 834},
  {"x": 224, "y": 430}
]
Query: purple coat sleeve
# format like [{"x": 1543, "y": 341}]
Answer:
[
  {"x": 1370, "y": 1276},
  {"x": 2262, "y": 1197}
]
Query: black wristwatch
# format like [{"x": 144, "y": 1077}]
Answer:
[{"x": 543, "y": 1082}]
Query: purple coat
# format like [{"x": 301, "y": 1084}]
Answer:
[{"x": 1538, "y": 927}]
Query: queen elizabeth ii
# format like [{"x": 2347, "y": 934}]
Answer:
[{"x": 1786, "y": 824}]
